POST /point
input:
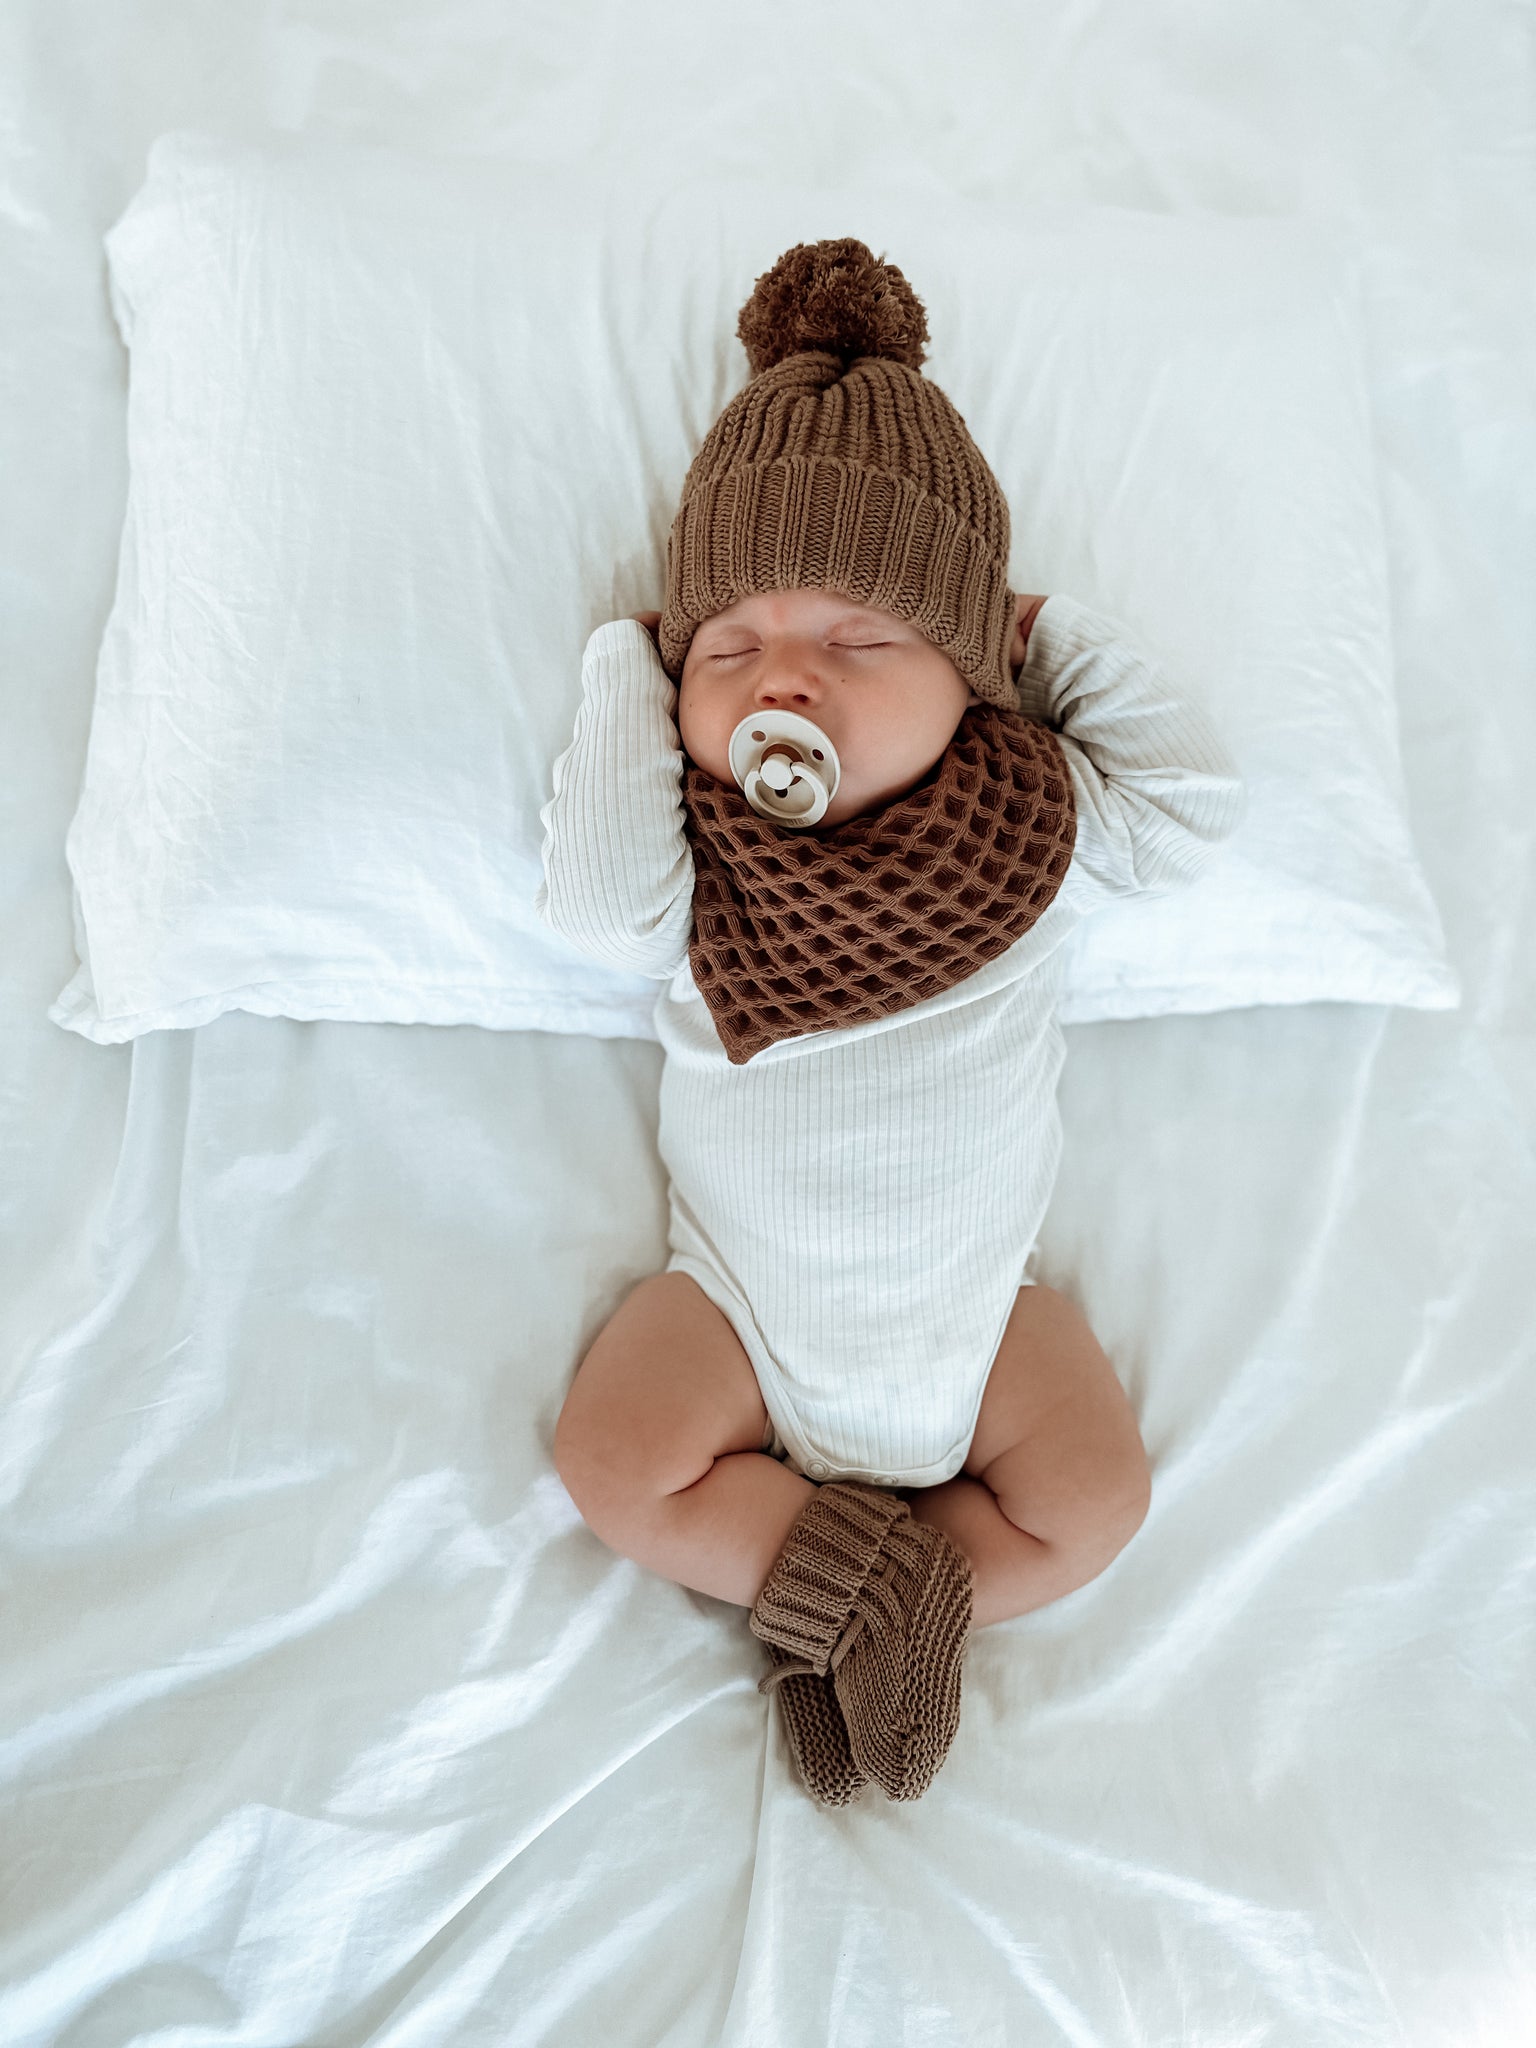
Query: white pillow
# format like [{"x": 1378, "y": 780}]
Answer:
[{"x": 402, "y": 431}]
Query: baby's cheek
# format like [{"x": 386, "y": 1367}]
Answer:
[{"x": 704, "y": 745}]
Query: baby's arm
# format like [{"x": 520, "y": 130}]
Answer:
[
  {"x": 1156, "y": 789},
  {"x": 618, "y": 871}
]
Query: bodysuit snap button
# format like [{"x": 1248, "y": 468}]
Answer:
[{"x": 818, "y": 1466}]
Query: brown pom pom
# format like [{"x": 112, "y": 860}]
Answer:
[{"x": 836, "y": 296}]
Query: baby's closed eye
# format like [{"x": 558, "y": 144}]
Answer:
[{"x": 842, "y": 646}]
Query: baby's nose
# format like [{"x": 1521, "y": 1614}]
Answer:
[{"x": 790, "y": 691}]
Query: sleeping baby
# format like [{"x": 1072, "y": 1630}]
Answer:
[{"x": 845, "y": 796}]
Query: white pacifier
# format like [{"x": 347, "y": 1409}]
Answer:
[{"x": 785, "y": 766}]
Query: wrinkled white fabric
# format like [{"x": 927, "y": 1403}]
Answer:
[
  {"x": 323, "y": 1718},
  {"x": 860, "y": 1203}
]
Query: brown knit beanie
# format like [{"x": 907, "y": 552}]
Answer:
[{"x": 841, "y": 467}]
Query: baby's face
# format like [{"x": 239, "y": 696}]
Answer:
[{"x": 886, "y": 697}]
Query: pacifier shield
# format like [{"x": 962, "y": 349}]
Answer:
[{"x": 785, "y": 766}]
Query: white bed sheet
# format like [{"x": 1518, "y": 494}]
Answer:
[{"x": 325, "y": 1720}]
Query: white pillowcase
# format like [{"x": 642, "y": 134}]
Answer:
[{"x": 402, "y": 431}]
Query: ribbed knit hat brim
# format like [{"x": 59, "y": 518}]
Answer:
[{"x": 822, "y": 522}]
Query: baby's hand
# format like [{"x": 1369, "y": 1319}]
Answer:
[
  {"x": 1029, "y": 606},
  {"x": 650, "y": 621}
]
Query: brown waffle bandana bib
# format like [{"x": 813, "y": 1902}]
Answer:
[
  {"x": 805, "y": 931},
  {"x": 841, "y": 467}
]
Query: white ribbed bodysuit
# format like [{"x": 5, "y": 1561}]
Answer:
[{"x": 861, "y": 1203}]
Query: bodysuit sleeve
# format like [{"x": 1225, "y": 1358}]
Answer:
[
  {"x": 1155, "y": 787},
  {"x": 618, "y": 870}
]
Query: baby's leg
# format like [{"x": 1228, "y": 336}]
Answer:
[
  {"x": 1056, "y": 1482},
  {"x": 660, "y": 1445}
]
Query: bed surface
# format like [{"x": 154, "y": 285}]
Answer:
[{"x": 326, "y": 1721}]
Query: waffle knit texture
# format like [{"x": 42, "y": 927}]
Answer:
[
  {"x": 802, "y": 931},
  {"x": 841, "y": 467},
  {"x": 861, "y": 1203}
]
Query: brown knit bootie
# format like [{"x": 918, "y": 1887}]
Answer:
[
  {"x": 802, "y": 1611},
  {"x": 818, "y": 1736},
  {"x": 896, "y": 1667}
]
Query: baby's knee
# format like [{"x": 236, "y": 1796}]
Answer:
[
  {"x": 602, "y": 1484},
  {"x": 1128, "y": 1508},
  {"x": 1087, "y": 1507},
  {"x": 618, "y": 1467},
  {"x": 1117, "y": 1510}
]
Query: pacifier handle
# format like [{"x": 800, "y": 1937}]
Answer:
[{"x": 771, "y": 789}]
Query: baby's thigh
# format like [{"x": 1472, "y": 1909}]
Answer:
[
  {"x": 1056, "y": 1439},
  {"x": 664, "y": 1390}
]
